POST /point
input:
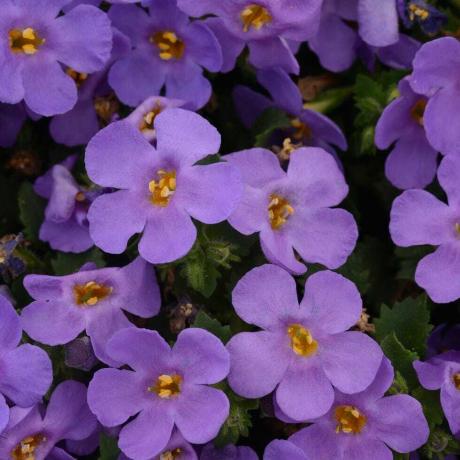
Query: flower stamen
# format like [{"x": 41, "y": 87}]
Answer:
[
  {"x": 417, "y": 111},
  {"x": 25, "y": 41},
  {"x": 163, "y": 189},
  {"x": 170, "y": 46},
  {"x": 149, "y": 118},
  {"x": 349, "y": 420},
  {"x": 456, "y": 379},
  {"x": 302, "y": 130},
  {"x": 25, "y": 450},
  {"x": 78, "y": 77},
  {"x": 279, "y": 211},
  {"x": 255, "y": 16},
  {"x": 166, "y": 386},
  {"x": 302, "y": 341},
  {"x": 91, "y": 293},
  {"x": 171, "y": 454}
]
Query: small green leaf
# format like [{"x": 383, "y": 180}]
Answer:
[
  {"x": 31, "y": 210},
  {"x": 65, "y": 262},
  {"x": 108, "y": 448},
  {"x": 409, "y": 320},
  {"x": 200, "y": 273},
  {"x": 401, "y": 358},
  {"x": 204, "y": 321},
  {"x": 270, "y": 120}
]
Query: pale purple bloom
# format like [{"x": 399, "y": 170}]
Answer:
[
  {"x": 419, "y": 218},
  {"x": 161, "y": 188},
  {"x": 166, "y": 388},
  {"x": 412, "y": 161},
  {"x": 443, "y": 372},
  {"x": 435, "y": 75},
  {"x": 168, "y": 51},
  {"x": 37, "y": 429},
  {"x": 35, "y": 41},
  {"x": 366, "y": 425},
  {"x": 292, "y": 211},
  {"x": 229, "y": 452},
  {"x": 65, "y": 226},
  {"x": 143, "y": 116},
  {"x": 91, "y": 300},
  {"x": 12, "y": 117},
  {"x": 303, "y": 350},
  {"x": 378, "y": 21},
  {"x": 283, "y": 450},
  {"x": 177, "y": 448},
  {"x": 308, "y": 127},
  {"x": 79, "y": 125},
  {"x": 267, "y": 27},
  {"x": 26, "y": 371}
]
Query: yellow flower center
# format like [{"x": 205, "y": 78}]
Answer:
[
  {"x": 170, "y": 46},
  {"x": 166, "y": 386},
  {"x": 416, "y": 11},
  {"x": 302, "y": 341},
  {"x": 456, "y": 379},
  {"x": 163, "y": 189},
  {"x": 255, "y": 16},
  {"x": 148, "y": 119},
  {"x": 171, "y": 454},
  {"x": 25, "y": 41},
  {"x": 418, "y": 110},
  {"x": 25, "y": 450},
  {"x": 349, "y": 420},
  {"x": 91, "y": 293},
  {"x": 302, "y": 130},
  {"x": 279, "y": 211},
  {"x": 77, "y": 77}
]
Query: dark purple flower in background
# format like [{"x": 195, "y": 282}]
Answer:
[
  {"x": 65, "y": 226},
  {"x": 308, "y": 127},
  {"x": 79, "y": 354},
  {"x": 26, "y": 371},
  {"x": 229, "y": 452},
  {"x": 443, "y": 372},
  {"x": 34, "y": 432},
  {"x": 91, "y": 300},
  {"x": 443, "y": 338},
  {"x": 35, "y": 41},
  {"x": 303, "y": 351},
  {"x": 176, "y": 449},
  {"x": 12, "y": 117},
  {"x": 420, "y": 12},
  {"x": 419, "y": 218},
  {"x": 267, "y": 27},
  {"x": 279, "y": 449},
  {"x": 168, "y": 51},
  {"x": 435, "y": 75},
  {"x": 143, "y": 117},
  {"x": 166, "y": 388},
  {"x": 161, "y": 188},
  {"x": 292, "y": 211},
  {"x": 412, "y": 161},
  {"x": 366, "y": 425},
  {"x": 96, "y": 103}
]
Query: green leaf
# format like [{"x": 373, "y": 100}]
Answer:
[
  {"x": 270, "y": 120},
  {"x": 31, "y": 210},
  {"x": 200, "y": 273},
  {"x": 409, "y": 320},
  {"x": 401, "y": 358},
  {"x": 431, "y": 405},
  {"x": 65, "y": 262},
  {"x": 204, "y": 321},
  {"x": 108, "y": 448}
]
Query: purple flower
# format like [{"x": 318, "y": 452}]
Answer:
[
  {"x": 280, "y": 450},
  {"x": 418, "y": 217},
  {"x": 161, "y": 189},
  {"x": 292, "y": 210},
  {"x": 65, "y": 226},
  {"x": 95, "y": 106},
  {"x": 365, "y": 425},
  {"x": 436, "y": 68},
  {"x": 26, "y": 371},
  {"x": 176, "y": 449},
  {"x": 165, "y": 388},
  {"x": 443, "y": 372},
  {"x": 418, "y": 11},
  {"x": 229, "y": 452},
  {"x": 303, "y": 350},
  {"x": 143, "y": 117},
  {"x": 308, "y": 127},
  {"x": 12, "y": 117},
  {"x": 79, "y": 354},
  {"x": 378, "y": 21},
  {"x": 443, "y": 338},
  {"x": 35, "y": 41},
  {"x": 267, "y": 27},
  {"x": 90, "y": 300},
  {"x": 33, "y": 433},
  {"x": 168, "y": 51},
  {"x": 412, "y": 161}
]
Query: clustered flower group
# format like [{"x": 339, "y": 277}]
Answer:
[{"x": 154, "y": 176}]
